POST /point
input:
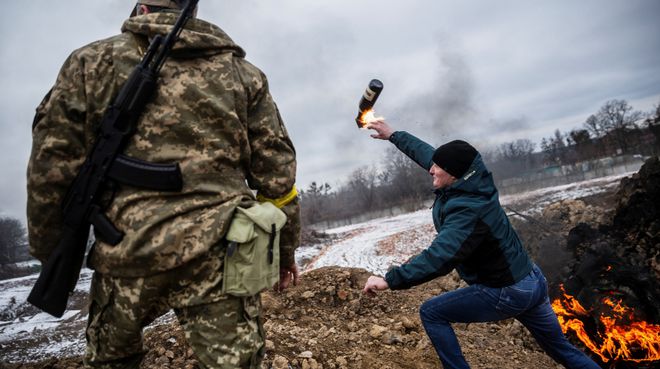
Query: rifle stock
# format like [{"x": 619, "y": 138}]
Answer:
[{"x": 59, "y": 274}]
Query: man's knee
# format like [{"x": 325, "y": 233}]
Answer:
[{"x": 429, "y": 312}]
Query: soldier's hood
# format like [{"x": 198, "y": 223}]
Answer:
[{"x": 198, "y": 37}]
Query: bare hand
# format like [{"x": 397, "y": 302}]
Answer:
[
  {"x": 287, "y": 275},
  {"x": 383, "y": 130},
  {"x": 374, "y": 284}
]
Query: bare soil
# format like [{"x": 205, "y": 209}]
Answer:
[{"x": 326, "y": 322}]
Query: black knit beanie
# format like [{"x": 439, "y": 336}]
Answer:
[{"x": 455, "y": 157}]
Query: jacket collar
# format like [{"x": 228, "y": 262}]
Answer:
[{"x": 477, "y": 180}]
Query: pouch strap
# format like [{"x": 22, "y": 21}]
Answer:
[
  {"x": 280, "y": 202},
  {"x": 231, "y": 248},
  {"x": 271, "y": 243}
]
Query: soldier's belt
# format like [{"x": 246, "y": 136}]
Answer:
[{"x": 280, "y": 202}]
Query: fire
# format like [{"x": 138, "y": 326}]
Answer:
[
  {"x": 368, "y": 116},
  {"x": 620, "y": 338}
]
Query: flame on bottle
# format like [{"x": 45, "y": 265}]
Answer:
[
  {"x": 368, "y": 116},
  {"x": 620, "y": 336}
]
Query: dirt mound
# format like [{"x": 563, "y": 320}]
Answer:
[
  {"x": 620, "y": 258},
  {"x": 325, "y": 322},
  {"x": 637, "y": 218},
  {"x": 628, "y": 244},
  {"x": 569, "y": 213}
]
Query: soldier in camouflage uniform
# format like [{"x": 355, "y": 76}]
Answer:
[{"x": 214, "y": 115}]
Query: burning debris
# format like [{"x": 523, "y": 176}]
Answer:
[
  {"x": 366, "y": 113},
  {"x": 611, "y": 302},
  {"x": 622, "y": 337}
]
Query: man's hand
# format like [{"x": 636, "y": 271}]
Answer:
[
  {"x": 287, "y": 274},
  {"x": 374, "y": 284},
  {"x": 383, "y": 130}
]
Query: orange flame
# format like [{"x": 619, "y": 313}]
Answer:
[
  {"x": 622, "y": 337},
  {"x": 368, "y": 116}
]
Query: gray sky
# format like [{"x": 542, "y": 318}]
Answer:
[{"x": 485, "y": 71}]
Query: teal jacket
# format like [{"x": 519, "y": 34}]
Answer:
[{"x": 474, "y": 234}]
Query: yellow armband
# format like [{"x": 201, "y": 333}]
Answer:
[{"x": 281, "y": 201}]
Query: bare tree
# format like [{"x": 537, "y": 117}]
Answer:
[
  {"x": 581, "y": 142},
  {"x": 314, "y": 201},
  {"x": 404, "y": 181},
  {"x": 554, "y": 148},
  {"x": 13, "y": 241},
  {"x": 617, "y": 114},
  {"x": 653, "y": 123},
  {"x": 593, "y": 125},
  {"x": 511, "y": 158},
  {"x": 362, "y": 183},
  {"x": 617, "y": 117},
  {"x": 516, "y": 150}
]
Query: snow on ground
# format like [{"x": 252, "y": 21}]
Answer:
[
  {"x": 543, "y": 197},
  {"x": 28, "y": 335},
  {"x": 358, "y": 248},
  {"x": 44, "y": 335},
  {"x": 14, "y": 292},
  {"x": 31, "y": 335},
  {"x": 27, "y": 264}
]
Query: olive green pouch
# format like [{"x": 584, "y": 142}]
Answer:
[{"x": 252, "y": 262}]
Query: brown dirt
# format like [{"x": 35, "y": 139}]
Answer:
[{"x": 325, "y": 322}]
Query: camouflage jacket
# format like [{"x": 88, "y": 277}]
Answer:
[{"x": 212, "y": 113}]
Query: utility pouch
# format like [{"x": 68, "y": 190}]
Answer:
[{"x": 252, "y": 262}]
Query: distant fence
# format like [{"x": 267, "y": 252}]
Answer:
[
  {"x": 565, "y": 174},
  {"x": 360, "y": 218}
]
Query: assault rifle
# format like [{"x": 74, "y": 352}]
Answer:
[{"x": 103, "y": 168}]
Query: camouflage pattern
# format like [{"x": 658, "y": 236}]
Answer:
[
  {"x": 224, "y": 331},
  {"x": 212, "y": 113},
  {"x": 163, "y": 3}
]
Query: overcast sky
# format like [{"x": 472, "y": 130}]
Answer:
[{"x": 485, "y": 71}]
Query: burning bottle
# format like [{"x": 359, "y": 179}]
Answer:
[{"x": 368, "y": 100}]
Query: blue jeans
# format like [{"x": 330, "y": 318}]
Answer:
[{"x": 526, "y": 301}]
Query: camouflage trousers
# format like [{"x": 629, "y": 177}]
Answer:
[{"x": 224, "y": 331}]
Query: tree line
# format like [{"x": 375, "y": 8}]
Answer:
[
  {"x": 615, "y": 129},
  {"x": 400, "y": 182},
  {"x": 13, "y": 241}
]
